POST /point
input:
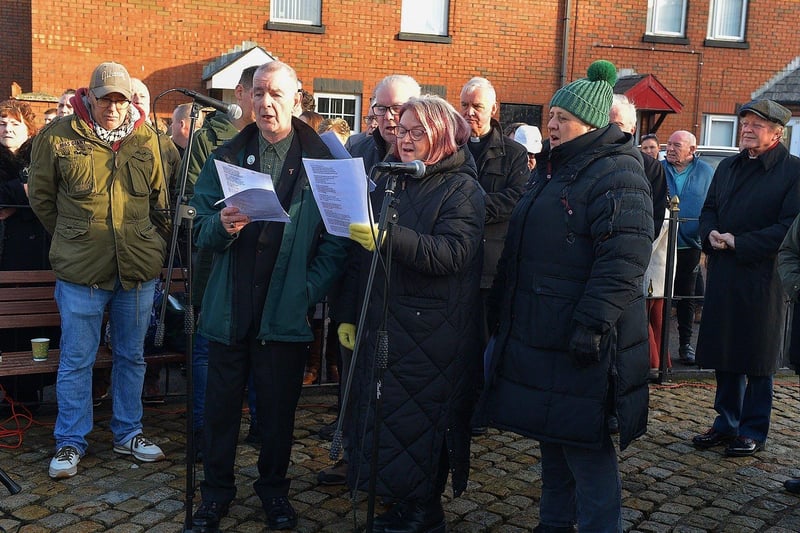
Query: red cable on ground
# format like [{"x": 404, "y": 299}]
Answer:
[{"x": 21, "y": 421}]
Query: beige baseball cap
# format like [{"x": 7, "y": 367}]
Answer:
[{"x": 110, "y": 77}]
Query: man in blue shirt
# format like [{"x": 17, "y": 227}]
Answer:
[{"x": 688, "y": 178}]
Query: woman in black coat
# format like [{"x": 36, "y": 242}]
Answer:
[
  {"x": 25, "y": 243},
  {"x": 571, "y": 345},
  {"x": 433, "y": 292}
]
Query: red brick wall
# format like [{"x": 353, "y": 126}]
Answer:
[
  {"x": 725, "y": 77},
  {"x": 168, "y": 45},
  {"x": 515, "y": 44},
  {"x": 15, "y": 48}
]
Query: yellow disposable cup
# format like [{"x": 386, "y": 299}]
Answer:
[{"x": 40, "y": 347}]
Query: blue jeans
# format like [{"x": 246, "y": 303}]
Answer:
[
  {"x": 583, "y": 485},
  {"x": 200, "y": 378},
  {"x": 81, "y": 309},
  {"x": 744, "y": 404}
]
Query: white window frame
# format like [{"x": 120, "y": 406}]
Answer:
[
  {"x": 425, "y": 17},
  {"x": 708, "y": 126},
  {"x": 339, "y": 111},
  {"x": 716, "y": 24},
  {"x": 793, "y": 135},
  {"x": 306, "y": 12},
  {"x": 653, "y": 18}
]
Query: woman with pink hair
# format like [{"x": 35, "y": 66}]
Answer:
[{"x": 431, "y": 297}]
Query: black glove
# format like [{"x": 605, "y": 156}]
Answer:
[{"x": 584, "y": 346}]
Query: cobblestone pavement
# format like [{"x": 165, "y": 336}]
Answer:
[{"x": 667, "y": 484}]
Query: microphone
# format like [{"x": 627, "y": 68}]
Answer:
[
  {"x": 234, "y": 111},
  {"x": 415, "y": 168}
]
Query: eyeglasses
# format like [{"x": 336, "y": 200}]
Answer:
[
  {"x": 369, "y": 118},
  {"x": 105, "y": 103},
  {"x": 381, "y": 110},
  {"x": 416, "y": 133}
]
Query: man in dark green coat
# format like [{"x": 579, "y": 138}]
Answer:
[{"x": 264, "y": 278}]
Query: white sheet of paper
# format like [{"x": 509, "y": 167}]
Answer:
[
  {"x": 252, "y": 192},
  {"x": 340, "y": 189}
]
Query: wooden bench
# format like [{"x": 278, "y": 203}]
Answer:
[{"x": 27, "y": 301}]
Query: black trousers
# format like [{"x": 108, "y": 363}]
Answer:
[
  {"x": 277, "y": 370},
  {"x": 686, "y": 269}
]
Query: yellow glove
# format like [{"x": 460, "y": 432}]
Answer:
[
  {"x": 365, "y": 235},
  {"x": 347, "y": 335}
]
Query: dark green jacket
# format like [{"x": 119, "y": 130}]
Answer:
[{"x": 308, "y": 261}]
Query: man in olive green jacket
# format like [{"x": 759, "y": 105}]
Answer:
[{"x": 97, "y": 185}]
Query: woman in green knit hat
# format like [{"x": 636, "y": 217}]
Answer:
[{"x": 570, "y": 322}]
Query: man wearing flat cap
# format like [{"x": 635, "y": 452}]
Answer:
[
  {"x": 97, "y": 184},
  {"x": 753, "y": 199}
]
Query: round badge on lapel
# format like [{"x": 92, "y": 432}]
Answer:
[{"x": 251, "y": 159}]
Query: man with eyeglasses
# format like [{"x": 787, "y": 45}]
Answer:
[
  {"x": 389, "y": 96},
  {"x": 97, "y": 184},
  {"x": 753, "y": 200},
  {"x": 370, "y": 123},
  {"x": 502, "y": 172},
  {"x": 688, "y": 177}
]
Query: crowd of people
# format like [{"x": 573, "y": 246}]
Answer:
[{"x": 521, "y": 285}]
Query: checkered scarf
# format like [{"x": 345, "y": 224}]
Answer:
[{"x": 124, "y": 129}]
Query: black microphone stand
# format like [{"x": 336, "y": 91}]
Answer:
[
  {"x": 387, "y": 219},
  {"x": 184, "y": 216}
]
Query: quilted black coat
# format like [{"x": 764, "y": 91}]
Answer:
[
  {"x": 577, "y": 247},
  {"x": 433, "y": 300}
]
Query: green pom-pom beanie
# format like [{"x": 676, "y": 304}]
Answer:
[{"x": 589, "y": 98}]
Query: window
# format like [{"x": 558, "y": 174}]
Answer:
[
  {"x": 346, "y": 106},
  {"x": 295, "y": 12},
  {"x": 427, "y": 17},
  {"x": 720, "y": 130},
  {"x": 727, "y": 20},
  {"x": 666, "y": 17}
]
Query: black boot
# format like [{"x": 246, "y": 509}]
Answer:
[{"x": 418, "y": 517}]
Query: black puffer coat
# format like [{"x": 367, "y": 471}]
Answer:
[
  {"x": 578, "y": 244},
  {"x": 433, "y": 297}
]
